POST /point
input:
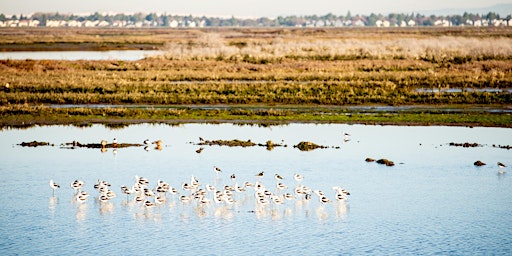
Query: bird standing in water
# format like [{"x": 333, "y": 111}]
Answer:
[{"x": 54, "y": 185}]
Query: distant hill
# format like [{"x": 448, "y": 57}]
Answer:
[{"x": 502, "y": 9}]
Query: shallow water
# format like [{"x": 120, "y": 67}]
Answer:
[
  {"x": 127, "y": 55},
  {"x": 433, "y": 201}
]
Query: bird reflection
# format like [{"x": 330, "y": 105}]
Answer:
[
  {"x": 81, "y": 212},
  {"x": 52, "y": 203}
]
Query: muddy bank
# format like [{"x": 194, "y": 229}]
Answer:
[{"x": 239, "y": 143}]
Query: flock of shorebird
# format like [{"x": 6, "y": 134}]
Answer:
[{"x": 193, "y": 191}]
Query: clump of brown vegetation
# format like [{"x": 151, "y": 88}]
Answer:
[
  {"x": 479, "y": 163},
  {"x": 308, "y": 146},
  {"x": 76, "y": 144},
  {"x": 465, "y": 144},
  {"x": 35, "y": 144},
  {"x": 385, "y": 162},
  {"x": 229, "y": 143}
]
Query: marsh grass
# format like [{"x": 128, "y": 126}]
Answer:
[
  {"x": 13, "y": 115},
  {"x": 264, "y": 67}
]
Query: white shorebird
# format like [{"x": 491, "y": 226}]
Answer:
[
  {"x": 149, "y": 204},
  {"x": 81, "y": 197},
  {"x": 278, "y": 177},
  {"x": 501, "y": 166},
  {"x": 217, "y": 170},
  {"x": 324, "y": 200},
  {"x": 298, "y": 177},
  {"x": 77, "y": 185},
  {"x": 281, "y": 186},
  {"x": 346, "y": 137},
  {"x": 147, "y": 142},
  {"x": 54, "y": 185}
]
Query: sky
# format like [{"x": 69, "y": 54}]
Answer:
[{"x": 241, "y": 8}]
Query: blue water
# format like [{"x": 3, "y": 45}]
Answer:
[{"x": 433, "y": 201}]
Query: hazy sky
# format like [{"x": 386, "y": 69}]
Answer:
[{"x": 239, "y": 8}]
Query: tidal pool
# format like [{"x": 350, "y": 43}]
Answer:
[{"x": 433, "y": 201}]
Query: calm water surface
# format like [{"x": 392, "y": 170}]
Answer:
[{"x": 433, "y": 201}]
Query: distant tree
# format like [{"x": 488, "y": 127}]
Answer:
[
  {"x": 372, "y": 19},
  {"x": 492, "y": 16},
  {"x": 165, "y": 20},
  {"x": 2, "y": 17},
  {"x": 349, "y": 15},
  {"x": 456, "y": 20}
]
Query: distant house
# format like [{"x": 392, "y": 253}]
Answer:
[
  {"x": 359, "y": 23},
  {"x": 411, "y": 23},
  {"x": 23, "y": 23},
  {"x": 173, "y": 24},
  {"x": 55, "y": 23},
  {"x": 91, "y": 23},
  {"x": 103, "y": 24},
  {"x": 443, "y": 23},
  {"x": 319, "y": 23},
  {"x": 382, "y": 23},
  {"x": 74, "y": 23}
]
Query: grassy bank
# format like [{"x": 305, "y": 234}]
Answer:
[
  {"x": 265, "y": 67},
  {"x": 24, "y": 115}
]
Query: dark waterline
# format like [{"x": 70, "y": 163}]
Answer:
[
  {"x": 127, "y": 55},
  {"x": 349, "y": 109}
]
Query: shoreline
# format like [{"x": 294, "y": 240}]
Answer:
[{"x": 260, "y": 115}]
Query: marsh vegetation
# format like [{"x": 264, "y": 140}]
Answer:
[{"x": 272, "y": 69}]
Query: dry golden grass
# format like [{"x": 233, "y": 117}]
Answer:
[{"x": 268, "y": 66}]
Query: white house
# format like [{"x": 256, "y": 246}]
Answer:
[
  {"x": 74, "y": 23},
  {"x": 173, "y": 24}
]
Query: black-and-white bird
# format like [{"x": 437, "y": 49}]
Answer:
[
  {"x": 346, "y": 137},
  {"x": 54, "y": 185},
  {"x": 501, "y": 166}
]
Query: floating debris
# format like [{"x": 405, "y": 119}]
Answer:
[
  {"x": 479, "y": 163},
  {"x": 307, "y": 146},
  {"x": 35, "y": 144}
]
